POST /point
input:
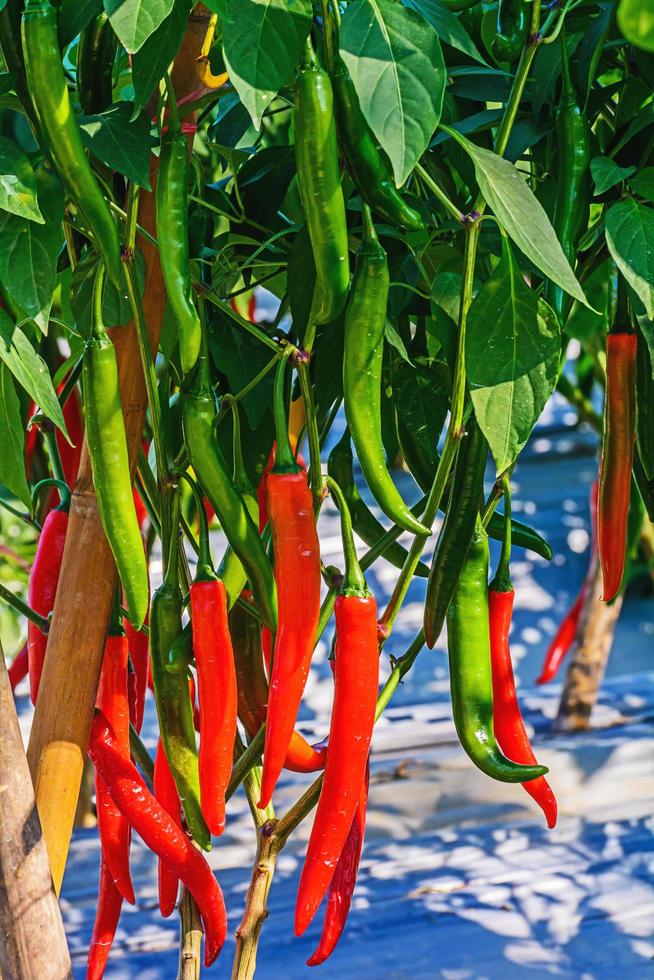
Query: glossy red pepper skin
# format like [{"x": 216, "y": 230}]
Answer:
[
  {"x": 19, "y": 667},
  {"x": 214, "y": 661},
  {"x": 139, "y": 655},
  {"x": 165, "y": 793},
  {"x": 160, "y": 833},
  {"x": 356, "y": 679},
  {"x": 507, "y": 720},
  {"x": 113, "y": 828},
  {"x": 617, "y": 458},
  {"x": 342, "y": 884},
  {"x": 110, "y": 903},
  {"x": 42, "y": 589},
  {"x": 297, "y": 576}
]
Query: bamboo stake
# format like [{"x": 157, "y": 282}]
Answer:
[{"x": 62, "y": 719}]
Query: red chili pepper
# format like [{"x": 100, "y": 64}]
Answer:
[
  {"x": 139, "y": 506},
  {"x": 165, "y": 793},
  {"x": 356, "y": 678},
  {"x": 113, "y": 828},
  {"x": 110, "y": 903},
  {"x": 159, "y": 832},
  {"x": 70, "y": 455},
  {"x": 617, "y": 458},
  {"x": 19, "y": 667},
  {"x": 297, "y": 576},
  {"x": 342, "y": 884},
  {"x": 137, "y": 686}
]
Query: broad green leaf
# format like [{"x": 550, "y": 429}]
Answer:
[
  {"x": 29, "y": 369},
  {"x": 153, "y": 59},
  {"x": 135, "y": 20},
  {"x": 17, "y": 183},
  {"x": 448, "y": 27},
  {"x": 522, "y": 216},
  {"x": 241, "y": 357},
  {"x": 262, "y": 42},
  {"x": 607, "y": 173},
  {"x": 29, "y": 252},
  {"x": 421, "y": 400},
  {"x": 396, "y": 64},
  {"x": 630, "y": 239},
  {"x": 446, "y": 293},
  {"x": 512, "y": 357},
  {"x": 636, "y": 21},
  {"x": 643, "y": 184},
  {"x": 12, "y": 440},
  {"x": 121, "y": 144},
  {"x": 74, "y": 16},
  {"x": 393, "y": 338}
]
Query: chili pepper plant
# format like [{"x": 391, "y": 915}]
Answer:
[{"x": 311, "y": 239}]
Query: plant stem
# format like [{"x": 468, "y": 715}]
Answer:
[
  {"x": 225, "y": 307},
  {"x": 141, "y": 755},
  {"x": 190, "y": 938},
  {"x": 246, "y": 762},
  {"x": 440, "y": 194},
  {"x": 25, "y": 610},
  {"x": 315, "y": 469},
  {"x": 256, "y": 907}
]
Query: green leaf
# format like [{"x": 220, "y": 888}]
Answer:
[
  {"x": 512, "y": 356},
  {"x": 522, "y": 216},
  {"x": 396, "y": 64},
  {"x": 116, "y": 309},
  {"x": 446, "y": 293},
  {"x": 607, "y": 173},
  {"x": 643, "y": 184},
  {"x": 393, "y": 338},
  {"x": 29, "y": 369},
  {"x": 262, "y": 42},
  {"x": 12, "y": 440},
  {"x": 29, "y": 252},
  {"x": 448, "y": 27},
  {"x": 121, "y": 144},
  {"x": 421, "y": 401},
  {"x": 240, "y": 357},
  {"x": 74, "y": 16},
  {"x": 135, "y": 20},
  {"x": 630, "y": 239},
  {"x": 636, "y": 21},
  {"x": 152, "y": 60},
  {"x": 17, "y": 183}
]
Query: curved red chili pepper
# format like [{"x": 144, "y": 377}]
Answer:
[
  {"x": 342, "y": 884},
  {"x": 113, "y": 828},
  {"x": 356, "y": 679},
  {"x": 42, "y": 589},
  {"x": 165, "y": 793},
  {"x": 617, "y": 458},
  {"x": 110, "y": 903},
  {"x": 214, "y": 660},
  {"x": 160, "y": 833},
  {"x": 507, "y": 719},
  {"x": 70, "y": 455},
  {"x": 19, "y": 667},
  {"x": 139, "y": 655}
]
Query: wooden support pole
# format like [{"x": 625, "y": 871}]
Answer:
[{"x": 64, "y": 710}]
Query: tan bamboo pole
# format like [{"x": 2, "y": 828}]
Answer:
[{"x": 62, "y": 719}]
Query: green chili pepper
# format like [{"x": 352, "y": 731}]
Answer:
[
  {"x": 199, "y": 416},
  {"x": 645, "y": 407},
  {"x": 95, "y": 62},
  {"x": 319, "y": 179},
  {"x": 365, "y": 319},
  {"x": 171, "y": 690},
  {"x": 172, "y": 235},
  {"x": 457, "y": 530},
  {"x": 364, "y": 522},
  {"x": 60, "y": 129},
  {"x": 471, "y": 681},
  {"x": 368, "y": 165},
  {"x": 107, "y": 444},
  {"x": 511, "y": 33}
]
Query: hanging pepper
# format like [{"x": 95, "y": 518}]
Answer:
[
  {"x": 19, "y": 667},
  {"x": 110, "y": 903},
  {"x": 511, "y": 33},
  {"x": 166, "y": 795},
  {"x": 211, "y": 471},
  {"x": 137, "y": 686},
  {"x": 616, "y": 459},
  {"x": 159, "y": 832},
  {"x": 356, "y": 678},
  {"x": 174, "y": 708},
  {"x": 364, "y": 522},
  {"x": 297, "y": 575},
  {"x": 457, "y": 530},
  {"x": 365, "y": 320},
  {"x": 47, "y": 86},
  {"x": 341, "y": 887},
  {"x": 214, "y": 661},
  {"x": 471, "y": 681},
  {"x": 319, "y": 179},
  {"x": 95, "y": 61},
  {"x": 172, "y": 234},
  {"x": 507, "y": 719},
  {"x": 44, "y": 577},
  {"x": 107, "y": 445},
  {"x": 252, "y": 688}
]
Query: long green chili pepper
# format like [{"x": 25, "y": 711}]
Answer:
[
  {"x": 471, "y": 679},
  {"x": 199, "y": 416},
  {"x": 60, "y": 129},
  {"x": 457, "y": 531},
  {"x": 95, "y": 61},
  {"x": 172, "y": 234},
  {"x": 319, "y": 179},
  {"x": 362, "y": 366},
  {"x": 107, "y": 444},
  {"x": 171, "y": 690}
]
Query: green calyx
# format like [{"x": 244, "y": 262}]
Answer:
[
  {"x": 502, "y": 581},
  {"x": 285, "y": 461}
]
